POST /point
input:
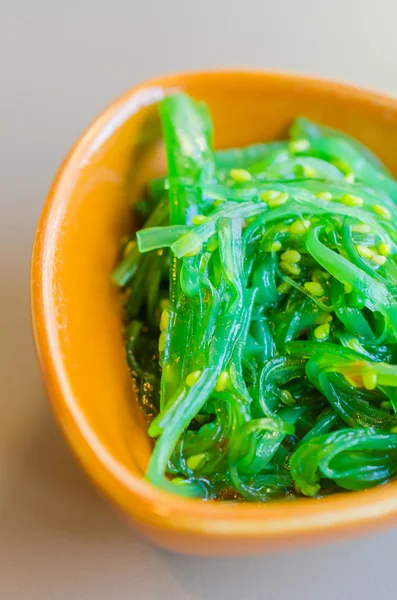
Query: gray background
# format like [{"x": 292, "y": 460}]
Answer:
[{"x": 60, "y": 64}]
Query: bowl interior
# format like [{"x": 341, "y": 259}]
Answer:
[{"x": 77, "y": 312}]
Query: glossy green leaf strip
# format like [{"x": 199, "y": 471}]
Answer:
[
  {"x": 261, "y": 313},
  {"x": 154, "y": 238},
  {"x": 128, "y": 266}
]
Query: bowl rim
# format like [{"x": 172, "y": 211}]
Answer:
[{"x": 130, "y": 492}]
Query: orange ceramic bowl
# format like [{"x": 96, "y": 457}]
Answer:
[{"x": 77, "y": 316}]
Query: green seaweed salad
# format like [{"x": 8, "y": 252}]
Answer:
[{"x": 261, "y": 313}]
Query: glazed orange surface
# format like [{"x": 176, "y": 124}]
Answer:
[{"x": 77, "y": 312}]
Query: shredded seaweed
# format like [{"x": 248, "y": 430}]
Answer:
[{"x": 261, "y": 313}]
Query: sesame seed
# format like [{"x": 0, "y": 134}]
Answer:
[
  {"x": 162, "y": 340},
  {"x": 192, "y": 378},
  {"x": 308, "y": 171},
  {"x": 129, "y": 247},
  {"x": 361, "y": 228},
  {"x": 291, "y": 256},
  {"x": 274, "y": 198},
  {"x": 287, "y": 398},
  {"x": 164, "y": 319},
  {"x": 364, "y": 251},
  {"x": 370, "y": 380},
  {"x": 348, "y": 288},
  {"x": 284, "y": 288},
  {"x": 351, "y": 200},
  {"x": 276, "y": 246},
  {"x": 300, "y": 226},
  {"x": 290, "y": 268},
  {"x": 322, "y": 331},
  {"x": 314, "y": 288},
  {"x": 384, "y": 249},
  {"x": 222, "y": 381},
  {"x": 319, "y": 275},
  {"x": 195, "y": 461},
  {"x": 198, "y": 219},
  {"x": 297, "y": 227},
  {"x": 379, "y": 260},
  {"x": 299, "y": 145},
  {"x": 240, "y": 175},
  {"x": 382, "y": 211},
  {"x": 282, "y": 199},
  {"x": 270, "y": 195}
]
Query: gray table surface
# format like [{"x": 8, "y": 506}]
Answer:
[{"x": 60, "y": 64}]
